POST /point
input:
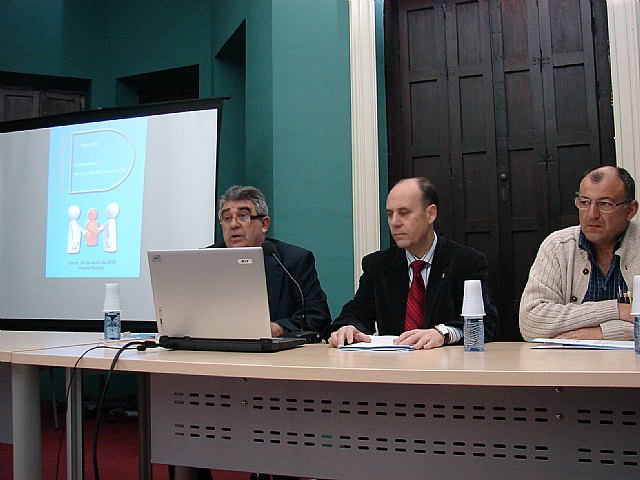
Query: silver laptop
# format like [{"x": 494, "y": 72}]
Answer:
[{"x": 213, "y": 299}]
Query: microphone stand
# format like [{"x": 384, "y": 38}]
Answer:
[{"x": 309, "y": 336}]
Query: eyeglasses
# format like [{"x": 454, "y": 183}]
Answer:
[
  {"x": 241, "y": 218},
  {"x": 584, "y": 203}
]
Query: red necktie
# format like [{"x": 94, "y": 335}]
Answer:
[{"x": 415, "y": 301}]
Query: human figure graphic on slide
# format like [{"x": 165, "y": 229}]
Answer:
[
  {"x": 92, "y": 228},
  {"x": 110, "y": 243},
  {"x": 74, "y": 237}
]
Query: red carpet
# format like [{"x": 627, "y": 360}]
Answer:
[{"x": 117, "y": 451}]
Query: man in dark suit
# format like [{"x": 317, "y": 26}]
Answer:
[
  {"x": 386, "y": 298},
  {"x": 244, "y": 216}
]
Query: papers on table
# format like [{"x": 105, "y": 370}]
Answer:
[
  {"x": 584, "y": 344},
  {"x": 379, "y": 343}
]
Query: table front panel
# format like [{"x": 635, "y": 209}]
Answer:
[{"x": 342, "y": 430}]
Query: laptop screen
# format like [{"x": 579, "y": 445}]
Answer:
[{"x": 210, "y": 293}]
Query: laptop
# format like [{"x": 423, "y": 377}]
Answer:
[{"x": 213, "y": 299}]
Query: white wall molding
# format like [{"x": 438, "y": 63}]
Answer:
[
  {"x": 364, "y": 132},
  {"x": 625, "y": 79}
]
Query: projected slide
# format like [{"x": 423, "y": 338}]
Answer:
[{"x": 95, "y": 197}]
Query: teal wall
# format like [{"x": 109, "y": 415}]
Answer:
[
  {"x": 24, "y": 29},
  {"x": 286, "y": 128},
  {"x": 312, "y": 136}
]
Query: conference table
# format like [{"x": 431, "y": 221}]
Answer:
[{"x": 511, "y": 411}]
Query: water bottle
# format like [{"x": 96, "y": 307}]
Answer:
[
  {"x": 111, "y": 311},
  {"x": 112, "y": 326},
  {"x": 636, "y": 333},
  {"x": 473, "y": 334}
]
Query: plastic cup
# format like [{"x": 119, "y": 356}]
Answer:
[
  {"x": 472, "y": 303},
  {"x": 112, "y": 298}
]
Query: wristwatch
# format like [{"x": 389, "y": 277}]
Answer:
[{"x": 444, "y": 331}]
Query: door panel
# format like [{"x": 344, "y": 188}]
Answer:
[
  {"x": 424, "y": 89},
  {"x": 16, "y": 104},
  {"x": 474, "y": 219},
  {"x": 54, "y": 103},
  {"x": 20, "y": 103},
  {"x": 504, "y": 115}
]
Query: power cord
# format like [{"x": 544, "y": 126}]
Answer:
[
  {"x": 147, "y": 344},
  {"x": 140, "y": 346},
  {"x": 74, "y": 369}
]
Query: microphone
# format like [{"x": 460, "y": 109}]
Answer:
[{"x": 309, "y": 335}]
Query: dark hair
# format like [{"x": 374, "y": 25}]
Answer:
[
  {"x": 428, "y": 189},
  {"x": 596, "y": 175},
  {"x": 244, "y": 192}
]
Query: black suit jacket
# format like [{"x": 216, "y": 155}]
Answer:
[
  {"x": 285, "y": 304},
  {"x": 381, "y": 299}
]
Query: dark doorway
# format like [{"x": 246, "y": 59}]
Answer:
[
  {"x": 503, "y": 104},
  {"x": 182, "y": 83}
]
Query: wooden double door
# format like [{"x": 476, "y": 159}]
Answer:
[
  {"x": 17, "y": 103},
  {"x": 504, "y": 105}
]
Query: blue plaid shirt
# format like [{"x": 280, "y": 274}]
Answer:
[{"x": 604, "y": 287}]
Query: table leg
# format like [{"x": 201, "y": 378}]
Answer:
[
  {"x": 27, "y": 434},
  {"x": 75, "y": 457},
  {"x": 145, "y": 471}
]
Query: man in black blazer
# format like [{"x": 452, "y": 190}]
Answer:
[
  {"x": 244, "y": 216},
  {"x": 380, "y": 304}
]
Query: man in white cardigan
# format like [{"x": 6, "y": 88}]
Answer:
[{"x": 579, "y": 284}]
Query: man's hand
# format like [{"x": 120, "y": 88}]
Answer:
[
  {"x": 421, "y": 338},
  {"x": 588, "y": 333},
  {"x": 347, "y": 335},
  {"x": 276, "y": 329},
  {"x": 624, "y": 312}
]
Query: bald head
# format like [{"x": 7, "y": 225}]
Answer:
[
  {"x": 598, "y": 174},
  {"x": 610, "y": 185},
  {"x": 411, "y": 213}
]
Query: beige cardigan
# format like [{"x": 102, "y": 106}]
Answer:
[{"x": 558, "y": 281}]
